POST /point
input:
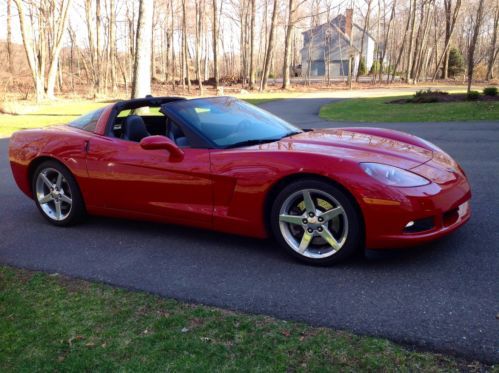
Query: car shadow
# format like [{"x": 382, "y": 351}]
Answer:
[{"x": 259, "y": 249}]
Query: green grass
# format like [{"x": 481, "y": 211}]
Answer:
[
  {"x": 377, "y": 110},
  {"x": 46, "y": 115},
  {"x": 54, "y": 323},
  {"x": 258, "y": 101}
]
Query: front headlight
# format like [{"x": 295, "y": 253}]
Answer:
[{"x": 393, "y": 176}]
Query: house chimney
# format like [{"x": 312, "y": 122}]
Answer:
[{"x": 348, "y": 22}]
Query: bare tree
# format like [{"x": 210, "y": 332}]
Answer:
[
  {"x": 142, "y": 65},
  {"x": 112, "y": 43},
  {"x": 286, "y": 81},
  {"x": 292, "y": 10},
  {"x": 9, "y": 36},
  {"x": 364, "y": 31},
  {"x": 252, "y": 45},
  {"x": 199, "y": 30},
  {"x": 49, "y": 23},
  {"x": 412, "y": 17},
  {"x": 59, "y": 28},
  {"x": 451, "y": 15},
  {"x": 474, "y": 38},
  {"x": 270, "y": 49},
  {"x": 494, "y": 48},
  {"x": 450, "y": 21},
  {"x": 185, "y": 51},
  {"x": 386, "y": 39},
  {"x": 215, "y": 42}
]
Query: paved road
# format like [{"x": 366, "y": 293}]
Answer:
[{"x": 443, "y": 296}]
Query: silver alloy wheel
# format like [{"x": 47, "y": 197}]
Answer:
[
  {"x": 53, "y": 194},
  {"x": 313, "y": 223}
]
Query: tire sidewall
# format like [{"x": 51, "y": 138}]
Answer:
[{"x": 355, "y": 227}]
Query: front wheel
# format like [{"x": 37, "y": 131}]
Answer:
[
  {"x": 316, "y": 222},
  {"x": 56, "y": 194}
]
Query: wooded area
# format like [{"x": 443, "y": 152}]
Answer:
[{"x": 101, "y": 47}]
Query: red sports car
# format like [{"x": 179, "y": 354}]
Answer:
[{"x": 223, "y": 164}]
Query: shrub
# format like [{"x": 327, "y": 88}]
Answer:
[
  {"x": 428, "y": 96},
  {"x": 490, "y": 91},
  {"x": 375, "y": 67},
  {"x": 473, "y": 95},
  {"x": 362, "y": 67}
]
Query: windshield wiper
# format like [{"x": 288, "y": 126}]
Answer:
[{"x": 252, "y": 142}]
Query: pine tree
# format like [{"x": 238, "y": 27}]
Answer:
[
  {"x": 456, "y": 62},
  {"x": 362, "y": 67}
]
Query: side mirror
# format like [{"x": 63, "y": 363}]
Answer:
[{"x": 162, "y": 142}]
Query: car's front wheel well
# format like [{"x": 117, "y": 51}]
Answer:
[{"x": 282, "y": 183}]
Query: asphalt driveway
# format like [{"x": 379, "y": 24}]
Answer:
[{"x": 443, "y": 296}]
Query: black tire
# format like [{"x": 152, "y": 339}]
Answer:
[
  {"x": 352, "y": 240},
  {"x": 76, "y": 210}
]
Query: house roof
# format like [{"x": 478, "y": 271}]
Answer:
[{"x": 338, "y": 23}]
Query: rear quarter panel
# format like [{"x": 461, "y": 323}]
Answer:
[{"x": 29, "y": 148}]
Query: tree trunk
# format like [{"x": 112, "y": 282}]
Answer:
[
  {"x": 471, "y": 52},
  {"x": 494, "y": 50},
  {"x": 142, "y": 66},
  {"x": 59, "y": 29},
  {"x": 29, "y": 47},
  {"x": 9, "y": 36},
  {"x": 215, "y": 42},
  {"x": 199, "y": 30},
  {"x": 387, "y": 38},
  {"x": 99, "y": 40},
  {"x": 185, "y": 52},
  {"x": 411, "y": 41},
  {"x": 252, "y": 46},
  {"x": 270, "y": 49},
  {"x": 402, "y": 48},
  {"x": 112, "y": 44},
  {"x": 452, "y": 18},
  {"x": 364, "y": 31},
  {"x": 174, "y": 71},
  {"x": 286, "y": 81}
]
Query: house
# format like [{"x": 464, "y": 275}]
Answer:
[{"x": 326, "y": 48}]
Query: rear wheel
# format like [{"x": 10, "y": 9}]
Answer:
[
  {"x": 316, "y": 222},
  {"x": 56, "y": 194}
]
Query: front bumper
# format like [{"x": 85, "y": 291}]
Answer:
[{"x": 445, "y": 206}]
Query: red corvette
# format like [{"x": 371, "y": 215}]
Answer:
[{"x": 223, "y": 164}]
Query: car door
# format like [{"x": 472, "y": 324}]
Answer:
[{"x": 127, "y": 177}]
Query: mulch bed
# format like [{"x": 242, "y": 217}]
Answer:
[{"x": 442, "y": 97}]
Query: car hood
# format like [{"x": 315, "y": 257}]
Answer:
[{"x": 353, "y": 145}]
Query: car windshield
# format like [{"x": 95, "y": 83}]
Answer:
[{"x": 229, "y": 122}]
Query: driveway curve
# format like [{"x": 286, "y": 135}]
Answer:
[{"x": 443, "y": 296}]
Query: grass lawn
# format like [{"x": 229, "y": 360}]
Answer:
[
  {"x": 53, "y": 323},
  {"x": 65, "y": 111},
  {"x": 377, "y": 110},
  {"x": 46, "y": 115}
]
